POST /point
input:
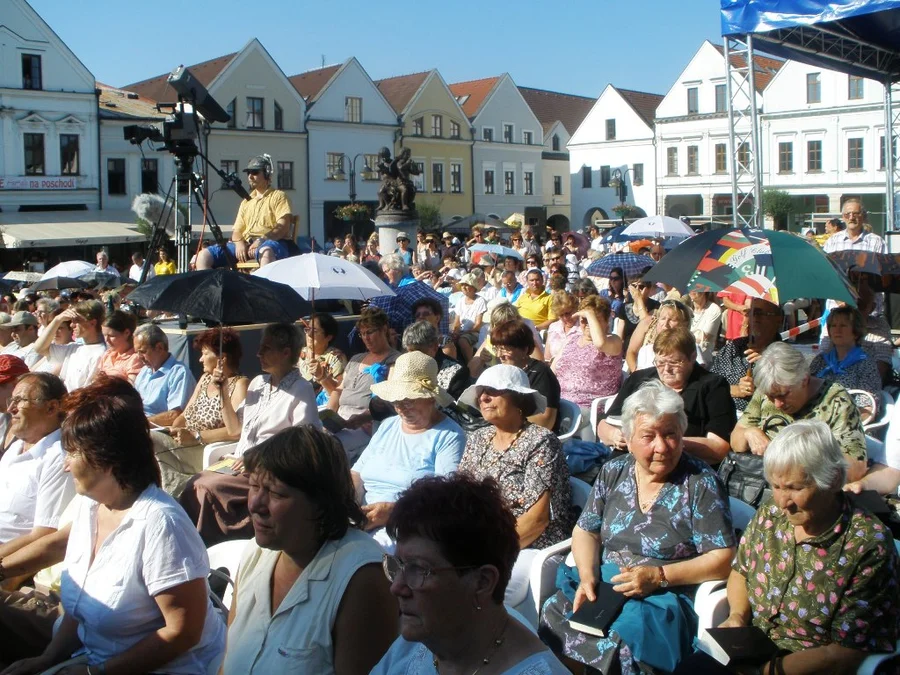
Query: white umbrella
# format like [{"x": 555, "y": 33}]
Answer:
[
  {"x": 658, "y": 226},
  {"x": 70, "y": 268},
  {"x": 323, "y": 277}
]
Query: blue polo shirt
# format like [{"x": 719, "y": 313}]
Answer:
[{"x": 168, "y": 388}]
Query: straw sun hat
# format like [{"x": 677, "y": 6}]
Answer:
[{"x": 413, "y": 375}]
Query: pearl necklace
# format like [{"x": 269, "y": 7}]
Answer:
[{"x": 498, "y": 641}]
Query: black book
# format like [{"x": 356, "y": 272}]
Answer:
[
  {"x": 594, "y": 618},
  {"x": 747, "y": 645}
]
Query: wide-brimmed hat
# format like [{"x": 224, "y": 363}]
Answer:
[
  {"x": 22, "y": 318},
  {"x": 504, "y": 378},
  {"x": 413, "y": 375},
  {"x": 469, "y": 280}
]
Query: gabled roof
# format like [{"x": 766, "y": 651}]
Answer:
[
  {"x": 472, "y": 94},
  {"x": 158, "y": 89},
  {"x": 765, "y": 67},
  {"x": 311, "y": 83},
  {"x": 552, "y": 106},
  {"x": 643, "y": 103},
  {"x": 399, "y": 91},
  {"x": 119, "y": 104}
]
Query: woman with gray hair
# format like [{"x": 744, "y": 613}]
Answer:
[
  {"x": 423, "y": 336},
  {"x": 786, "y": 392},
  {"x": 835, "y": 561},
  {"x": 656, "y": 518},
  {"x": 394, "y": 268}
]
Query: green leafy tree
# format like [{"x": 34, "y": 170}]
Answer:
[
  {"x": 778, "y": 205},
  {"x": 429, "y": 215}
]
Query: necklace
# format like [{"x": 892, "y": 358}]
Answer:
[
  {"x": 512, "y": 442},
  {"x": 647, "y": 502},
  {"x": 498, "y": 641}
]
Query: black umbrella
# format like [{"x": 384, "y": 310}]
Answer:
[
  {"x": 58, "y": 284},
  {"x": 101, "y": 280}
]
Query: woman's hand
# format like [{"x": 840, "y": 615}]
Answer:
[
  {"x": 733, "y": 621},
  {"x": 586, "y": 592},
  {"x": 377, "y": 514},
  {"x": 218, "y": 374},
  {"x": 636, "y": 582},
  {"x": 37, "y": 664},
  {"x": 757, "y": 441},
  {"x": 744, "y": 387},
  {"x": 185, "y": 437}
]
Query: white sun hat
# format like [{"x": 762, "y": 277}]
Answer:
[
  {"x": 503, "y": 378},
  {"x": 413, "y": 375}
]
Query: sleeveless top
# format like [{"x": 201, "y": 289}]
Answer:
[
  {"x": 295, "y": 638},
  {"x": 206, "y": 411}
]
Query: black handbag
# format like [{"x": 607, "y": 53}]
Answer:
[{"x": 742, "y": 472}]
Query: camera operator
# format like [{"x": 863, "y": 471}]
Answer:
[{"x": 262, "y": 228}]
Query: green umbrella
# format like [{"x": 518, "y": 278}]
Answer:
[{"x": 775, "y": 266}]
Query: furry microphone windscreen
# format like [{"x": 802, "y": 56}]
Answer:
[{"x": 150, "y": 207}]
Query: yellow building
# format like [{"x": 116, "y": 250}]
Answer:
[{"x": 438, "y": 134}]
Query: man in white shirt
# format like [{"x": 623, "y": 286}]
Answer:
[
  {"x": 34, "y": 487},
  {"x": 25, "y": 332},
  {"x": 103, "y": 264},
  {"x": 77, "y": 360},
  {"x": 137, "y": 264},
  {"x": 855, "y": 237}
]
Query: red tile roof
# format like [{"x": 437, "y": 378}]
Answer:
[
  {"x": 644, "y": 104},
  {"x": 158, "y": 89},
  {"x": 400, "y": 90},
  {"x": 476, "y": 91},
  {"x": 552, "y": 106},
  {"x": 119, "y": 104},
  {"x": 765, "y": 67},
  {"x": 311, "y": 83}
]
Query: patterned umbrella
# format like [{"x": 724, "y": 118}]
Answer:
[
  {"x": 631, "y": 264},
  {"x": 883, "y": 268}
]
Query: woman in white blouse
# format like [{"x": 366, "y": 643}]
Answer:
[{"x": 134, "y": 588}]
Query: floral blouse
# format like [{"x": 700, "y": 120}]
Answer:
[
  {"x": 532, "y": 466},
  {"x": 585, "y": 372},
  {"x": 839, "y": 587}
]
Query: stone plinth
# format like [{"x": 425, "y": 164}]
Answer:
[{"x": 391, "y": 223}]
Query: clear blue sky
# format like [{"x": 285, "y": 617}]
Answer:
[{"x": 574, "y": 46}]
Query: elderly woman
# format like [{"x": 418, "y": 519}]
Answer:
[
  {"x": 419, "y": 441},
  {"x": 310, "y": 596},
  {"x": 524, "y": 458},
  {"x": 486, "y": 355},
  {"x": 735, "y": 360},
  {"x": 786, "y": 392},
  {"x": 709, "y": 409},
  {"x": 45, "y": 310},
  {"x": 423, "y": 336},
  {"x": 656, "y": 518},
  {"x": 430, "y": 310},
  {"x": 319, "y": 357},
  {"x": 134, "y": 590},
  {"x": 671, "y": 314},
  {"x": 847, "y": 362},
  {"x": 467, "y": 317},
  {"x": 452, "y": 617},
  {"x": 835, "y": 562},
  {"x": 563, "y": 305},
  {"x": 705, "y": 323},
  {"x": 590, "y": 362},
  {"x": 120, "y": 359}
]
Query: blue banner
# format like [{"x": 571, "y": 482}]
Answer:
[{"x": 740, "y": 17}]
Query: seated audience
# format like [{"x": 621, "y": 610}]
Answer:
[
  {"x": 45, "y": 310},
  {"x": 883, "y": 474},
  {"x": 11, "y": 367},
  {"x": 735, "y": 360},
  {"x": 498, "y": 312},
  {"x": 467, "y": 318},
  {"x": 709, "y": 409},
  {"x": 451, "y": 588},
  {"x": 163, "y": 383},
  {"x": 841, "y": 571},
  {"x": 430, "y": 310},
  {"x": 6, "y": 338},
  {"x": 134, "y": 590},
  {"x": 638, "y": 305},
  {"x": 64, "y": 336},
  {"x": 670, "y": 314},
  {"x": 418, "y": 441},
  {"x": 319, "y": 356},
  {"x": 277, "y": 399},
  {"x": 310, "y": 595},
  {"x": 616, "y": 292},
  {"x": 422, "y": 336},
  {"x": 534, "y": 303},
  {"x": 705, "y": 324},
  {"x": 564, "y": 305},
  {"x": 24, "y": 327},
  {"x": 120, "y": 359},
  {"x": 524, "y": 458},
  {"x": 656, "y": 518},
  {"x": 786, "y": 392},
  {"x": 76, "y": 361}
]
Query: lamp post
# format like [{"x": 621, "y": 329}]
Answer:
[
  {"x": 340, "y": 174},
  {"x": 618, "y": 181}
]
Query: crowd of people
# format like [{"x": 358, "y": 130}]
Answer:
[{"x": 392, "y": 484}]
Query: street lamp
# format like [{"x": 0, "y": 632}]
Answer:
[
  {"x": 341, "y": 175},
  {"x": 618, "y": 181}
]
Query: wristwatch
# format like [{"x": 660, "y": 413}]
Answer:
[{"x": 663, "y": 582}]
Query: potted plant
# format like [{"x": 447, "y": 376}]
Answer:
[
  {"x": 352, "y": 212},
  {"x": 622, "y": 210}
]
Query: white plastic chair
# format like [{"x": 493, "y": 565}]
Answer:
[
  {"x": 213, "y": 452},
  {"x": 570, "y": 415},
  {"x": 885, "y": 412},
  {"x": 871, "y": 403},
  {"x": 228, "y": 554},
  {"x": 598, "y": 406}
]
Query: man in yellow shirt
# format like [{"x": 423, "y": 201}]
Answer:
[
  {"x": 263, "y": 224},
  {"x": 534, "y": 303}
]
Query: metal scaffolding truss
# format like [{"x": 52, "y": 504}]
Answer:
[
  {"x": 891, "y": 165},
  {"x": 743, "y": 132}
]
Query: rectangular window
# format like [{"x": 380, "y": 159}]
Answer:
[
  {"x": 507, "y": 133},
  {"x": 855, "y": 89},
  {"x": 509, "y": 182},
  {"x": 456, "y": 178},
  {"x": 437, "y": 177},
  {"x": 419, "y": 178},
  {"x": 528, "y": 137},
  {"x": 785, "y": 158},
  {"x": 488, "y": 181},
  {"x": 454, "y": 129},
  {"x": 353, "y": 109},
  {"x": 34, "y": 155},
  {"x": 115, "y": 176},
  {"x": 285, "y": 175},
  {"x": 813, "y": 155},
  {"x": 743, "y": 157},
  {"x": 557, "y": 185},
  {"x": 229, "y": 166},
  {"x": 31, "y": 72},
  {"x": 554, "y": 143},
  {"x": 437, "y": 126},
  {"x": 419, "y": 126},
  {"x": 854, "y": 154},
  {"x": 528, "y": 182},
  {"x": 721, "y": 99},
  {"x": 604, "y": 176},
  {"x": 334, "y": 166},
  {"x": 150, "y": 176},
  {"x": 371, "y": 167},
  {"x": 721, "y": 158},
  {"x": 231, "y": 123},
  {"x": 586, "y": 181},
  {"x": 279, "y": 117},
  {"x": 813, "y": 88},
  {"x": 68, "y": 154},
  {"x": 882, "y": 160},
  {"x": 693, "y": 101},
  {"x": 637, "y": 174},
  {"x": 487, "y": 134},
  {"x": 610, "y": 130},
  {"x": 672, "y": 161},
  {"x": 692, "y": 160},
  {"x": 254, "y": 113}
]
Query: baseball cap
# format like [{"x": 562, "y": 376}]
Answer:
[
  {"x": 258, "y": 163},
  {"x": 402, "y": 236},
  {"x": 23, "y": 319},
  {"x": 446, "y": 235},
  {"x": 11, "y": 367}
]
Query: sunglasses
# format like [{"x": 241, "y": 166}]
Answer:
[{"x": 254, "y": 172}]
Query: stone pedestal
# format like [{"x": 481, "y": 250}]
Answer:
[{"x": 391, "y": 223}]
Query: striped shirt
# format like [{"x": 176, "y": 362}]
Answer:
[{"x": 867, "y": 241}]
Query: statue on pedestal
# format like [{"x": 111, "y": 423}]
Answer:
[{"x": 397, "y": 193}]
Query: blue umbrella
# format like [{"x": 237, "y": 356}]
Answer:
[
  {"x": 614, "y": 236},
  {"x": 631, "y": 264}
]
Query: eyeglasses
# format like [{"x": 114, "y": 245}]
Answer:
[
  {"x": 759, "y": 313},
  {"x": 615, "y": 278},
  {"x": 854, "y": 214},
  {"x": 664, "y": 364},
  {"x": 16, "y": 401},
  {"x": 414, "y": 575},
  {"x": 254, "y": 172}
]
